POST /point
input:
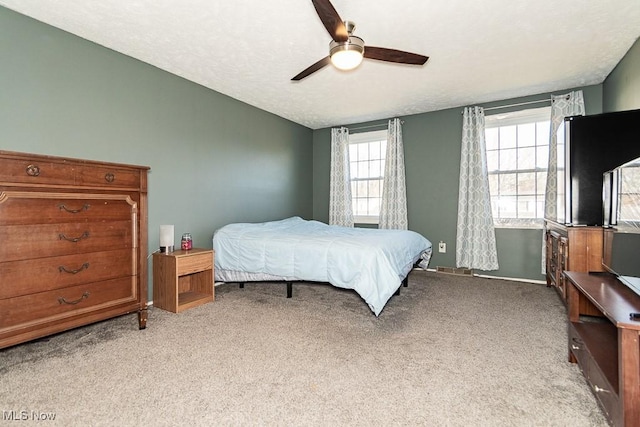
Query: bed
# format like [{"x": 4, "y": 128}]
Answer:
[{"x": 372, "y": 262}]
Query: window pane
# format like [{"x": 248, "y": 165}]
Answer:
[
  {"x": 353, "y": 153},
  {"x": 542, "y": 157},
  {"x": 526, "y": 183},
  {"x": 361, "y": 206},
  {"x": 353, "y": 169},
  {"x": 527, "y": 207},
  {"x": 508, "y": 137},
  {"x": 507, "y": 206},
  {"x": 374, "y": 207},
  {"x": 363, "y": 170},
  {"x": 362, "y": 189},
  {"x": 366, "y": 166},
  {"x": 542, "y": 133},
  {"x": 374, "y": 188},
  {"x": 541, "y": 177},
  {"x": 492, "y": 161},
  {"x": 527, "y": 158},
  {"x": 495, "y": 206},
  {"x": 493, "y": 184},
  {"x": 527, "y": 135},
  {"x": 374, "y": 150},
  {"x": 491, "y": 138},
  {"x": 517, "y": 177},
  {"x": 374, "y": 168},
  {"x": 540, "y": 207},
  {"x": 363, "y": 151},
  {"x": 507, "y": 184},
  {"x": 508, "y": 160}
]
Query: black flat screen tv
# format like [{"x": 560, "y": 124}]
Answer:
[
  {"x": 621, "y": 212},
  {"x": 589, "y": 146}
]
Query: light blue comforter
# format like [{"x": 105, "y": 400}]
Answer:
[{"x": 372, "y": 262}]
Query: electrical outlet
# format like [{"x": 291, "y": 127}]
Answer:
[{"x": 442, "y": 247}]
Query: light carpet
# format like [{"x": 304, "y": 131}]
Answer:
[{"x": 447, "y": 351}]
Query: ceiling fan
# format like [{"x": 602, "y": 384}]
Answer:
[{"x": 346, "y": 51}]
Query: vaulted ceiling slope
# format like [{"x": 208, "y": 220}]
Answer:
[{"x": 480, "y": 51}]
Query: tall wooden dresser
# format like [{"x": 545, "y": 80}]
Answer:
[{"x": 73, "y": 244}]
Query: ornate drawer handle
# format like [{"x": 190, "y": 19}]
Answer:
[
  {"x": 73, "y": 239},
  {"x": 62, "y": 207},
  {"x": 33, "y": 170},
  {"x": 600, "y": 389},
  {"x": 110, "y": 177},
  {"x": 84, "y": 296},
  {"x": 575, "y": 347},
  {"x": 76, "y": 271}
]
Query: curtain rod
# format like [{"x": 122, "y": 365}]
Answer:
[
  {"x": 515, "y": 105},
  {"x": 370, "y": 126},
  {"x": 518, "y": 104}
]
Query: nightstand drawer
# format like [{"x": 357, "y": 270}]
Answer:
[{"x": 194, "y": 263}]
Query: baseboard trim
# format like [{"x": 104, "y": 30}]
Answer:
[
  {"x": 459, "y": 271},
  {"x": 484, "y": 276}
]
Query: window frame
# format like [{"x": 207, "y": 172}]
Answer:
[
  {"x": 362, "y": 138},
  {"x": 523, "y": 117}
]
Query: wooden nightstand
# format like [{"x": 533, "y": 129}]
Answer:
[{"x": 182, "y": 279}]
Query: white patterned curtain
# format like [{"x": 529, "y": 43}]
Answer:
[
  {"x": 570, "y": 104},
  {"x": 475, "y": 240},
  {"x": 340, "y": 205},
  {"x": 393, "y": 208},
  {"x": 567, "y": 105}
]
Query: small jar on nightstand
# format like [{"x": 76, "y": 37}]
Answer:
[{"x": 186, "y": 243}]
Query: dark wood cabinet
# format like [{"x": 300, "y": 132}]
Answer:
[
  {"x": 605, "y": 342},
  {"x": 571, "y": 249}
]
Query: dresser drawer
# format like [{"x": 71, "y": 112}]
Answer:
[
  {"x": 46, "y": 274},
  {"x": 577, "y": 347},
  {"x": 28, "y": 310},
  {"x": 604, "y": 392},
  {"x": 107, "y": 177},
  {"x": 49, "y": 208},
  {"x": 51, "y": 172},
  {"x": 36, "y": 172},
  {"x": 21, "y": 242}
]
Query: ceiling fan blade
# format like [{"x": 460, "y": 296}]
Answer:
[
  {"x": 331, "y": 20},
  {"x": 312, "y": 69},
  {"x": 393, "y": 55}
]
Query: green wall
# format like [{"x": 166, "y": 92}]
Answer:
[
  {"x": 213, "y": 159},
  {"x": 622, "y": 86},
  {"x": 216, "y": 160},
  {"x": 432, "y": 163}
]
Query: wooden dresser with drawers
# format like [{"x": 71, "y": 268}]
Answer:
[{"x": 73, "y": 244}]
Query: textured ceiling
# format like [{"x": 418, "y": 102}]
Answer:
[{"x": 479, "y": 51}]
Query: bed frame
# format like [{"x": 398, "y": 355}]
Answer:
[{"x": 405, "y": 283}]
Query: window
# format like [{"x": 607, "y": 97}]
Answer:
[
  {"x": 517, "y": 146},
  {"x": 367, "y": 152}
]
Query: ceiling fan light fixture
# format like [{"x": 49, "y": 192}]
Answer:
[{"x": 347, "y": 55}]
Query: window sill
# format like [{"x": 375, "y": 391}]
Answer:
[{"x": 369, "y": 220}]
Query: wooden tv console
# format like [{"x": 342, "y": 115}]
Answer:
[{"x": 605, "y": 342}]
